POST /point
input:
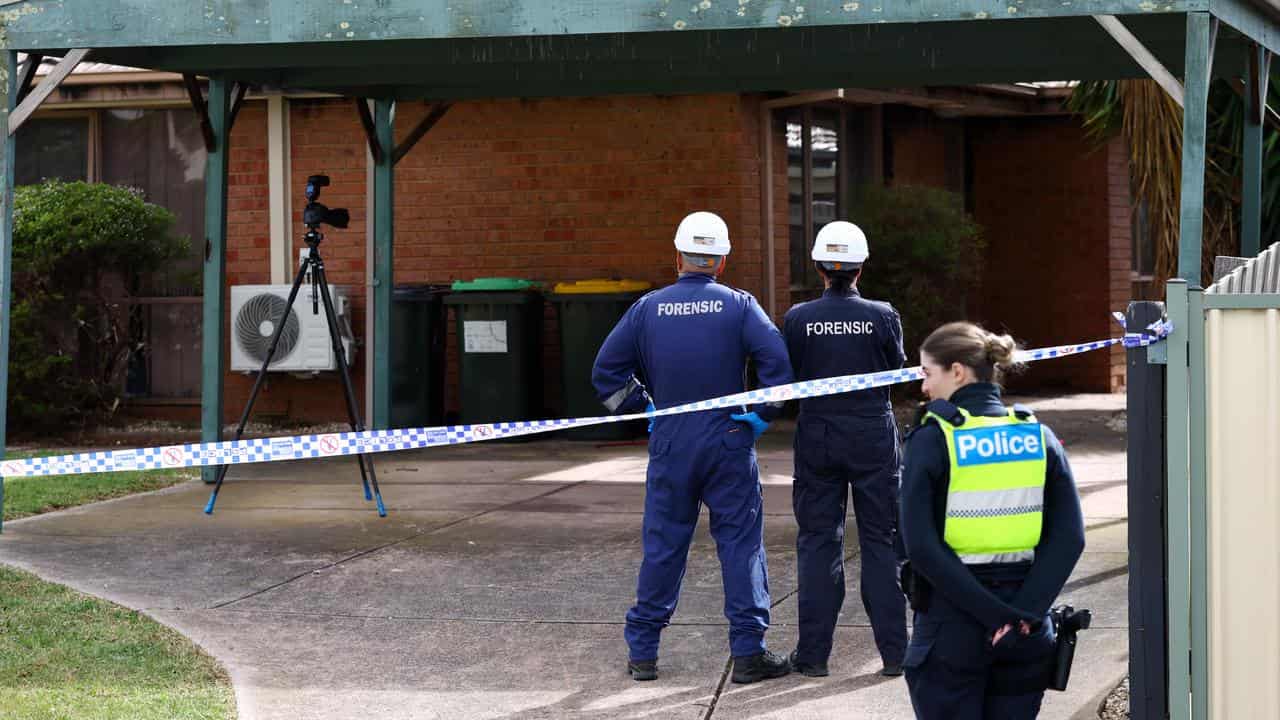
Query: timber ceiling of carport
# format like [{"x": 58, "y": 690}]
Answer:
[{"x": 445, "y": 49}]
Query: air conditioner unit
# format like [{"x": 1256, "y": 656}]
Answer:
[{"x": 304, "y": 346}]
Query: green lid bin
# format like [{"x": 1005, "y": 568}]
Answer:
[
  {"x": 588, "y": 311},
  {"x": 417, "y": 355},
  {"x": 499, "y": 323}
]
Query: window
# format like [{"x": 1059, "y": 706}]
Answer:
[
  {"x": 53, "y": 149},
  {"x": 816, "y": 188},
  {"x": 162, "y": 153}
]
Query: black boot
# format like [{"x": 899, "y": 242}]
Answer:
[
  {"x": 807, "y": 669},
  {"x": 642, "y": 670},
  {"x": 763, "y": 666}
]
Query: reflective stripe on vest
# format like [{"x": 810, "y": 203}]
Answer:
[{"x": 995, "y": 502}]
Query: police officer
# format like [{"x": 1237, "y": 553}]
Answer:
[
  {"x": 690, "y": 341},
  {"x": 993, "y": 529},
  {"x": 845, "y": 443}
]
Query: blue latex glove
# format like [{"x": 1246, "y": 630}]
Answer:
[
  {"x": 757, "y": 423},
  {"x": 650, "y": 409}
]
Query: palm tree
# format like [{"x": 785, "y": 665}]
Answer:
[{"x": 1151, "y": 123}]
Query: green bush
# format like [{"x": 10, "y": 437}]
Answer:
[
  {"x": 79, "y": 249},
  {"x": 926, "y": 256}
]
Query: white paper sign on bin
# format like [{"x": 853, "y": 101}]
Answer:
[{"x": 484, "y": 336}]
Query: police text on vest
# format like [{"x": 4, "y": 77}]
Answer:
[
  {"x": 699, "y": 307},
  {"x": 854, "y": 327},
  {"x": 1008, "y": 443}
]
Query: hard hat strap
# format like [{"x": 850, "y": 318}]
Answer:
[
  {"x": 706, "y": 262},
  {"x": 843, "y": 267}
]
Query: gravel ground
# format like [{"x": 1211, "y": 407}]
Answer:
[{"x": 1116, "y": 706}]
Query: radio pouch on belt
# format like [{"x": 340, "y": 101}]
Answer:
[{"x": 1068, "y": 622}]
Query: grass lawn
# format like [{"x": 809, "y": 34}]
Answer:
[
  {"x": 35, "y": 495},
  {"x": 67, "y": 655}
]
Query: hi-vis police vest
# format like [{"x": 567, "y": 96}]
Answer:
[{"x": 995, "y": 503}]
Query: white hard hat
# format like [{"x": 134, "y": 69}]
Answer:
[
  {"x": 703, "y": 233},
  {"x": 841, "y": 242}
]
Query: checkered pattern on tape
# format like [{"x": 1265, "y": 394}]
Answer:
[{"x": 305, "y": 447}]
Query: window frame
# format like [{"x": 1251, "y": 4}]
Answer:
[
  {"x": 807, "y": 117},
  {"x": 93, "y": 141}
]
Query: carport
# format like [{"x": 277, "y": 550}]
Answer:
[{"x": 384, "y": 52}]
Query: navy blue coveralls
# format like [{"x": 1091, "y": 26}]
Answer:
[
  {"x": 952, "y": 670},
  {"x": 690, "y": 341},
  {"x": 846, "y": 443}
]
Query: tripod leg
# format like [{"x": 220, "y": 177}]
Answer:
[
  {"x": 257, "y": 383},
  {"x": 335, "y": 335}
]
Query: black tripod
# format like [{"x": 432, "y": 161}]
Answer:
[{"x": 313, "y": 264}]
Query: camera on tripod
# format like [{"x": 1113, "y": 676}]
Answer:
[
  {"x": 311, "y": 271},
  {"x": 315, "y": 213}
]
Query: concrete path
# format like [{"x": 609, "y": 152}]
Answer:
[{"x": 497, "y": 586}]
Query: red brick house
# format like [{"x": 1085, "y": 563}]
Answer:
[{"x": 570, "y": 189}]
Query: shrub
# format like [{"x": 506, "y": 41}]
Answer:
[
  {"x": 79, "y": 250},
  {"x": 926, "y": 255}
]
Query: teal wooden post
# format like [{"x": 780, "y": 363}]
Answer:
[
  {"x": 1178, "y": 407},
  {"x": 1256, "y": 80},
  {"x": 8, "y": 92},
  {"x": 213, "y": 362},
  {"x": 383, "y": 262},
  {"x": 1199, "y": 62}
]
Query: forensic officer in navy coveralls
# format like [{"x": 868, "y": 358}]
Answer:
[
  {"x": 845, "y": 444},
  {"x": 992, "y": 525},
  {"x": 690, "y": 341}
]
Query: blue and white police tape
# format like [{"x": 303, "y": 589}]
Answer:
[{"x": 305, "y": 447}]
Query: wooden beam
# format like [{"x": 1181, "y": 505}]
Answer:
[
  {"x": 1271, "y": 116},
  {"x": 242, "y": 89},
  {"x": 1199, "y": 64},
  {"x": 150, "y": 23},
  {"x": 46, "y": 87},
  {"x": 213, "y": 353},
  {"x": 948, "y": 43},
  {"x": 379, "y": 364},
  {"x": 8, "y": 97},
  {"x": 804, "y": 98},
  {"x": 997, "y": 100},
  {"x": 1257, "y": 20},
  {"x": 1142, "y": 56},
  {"x": 1257, "y": 81},
  {"x": 27, "y": 75},
  {"x": 370, "y": 130},
  {"x": 1260, "y": 80},
  {"x": 202, "y": 111},
  {"x": 437, "y": 113}
]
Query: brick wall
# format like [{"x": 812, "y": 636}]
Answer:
[
  {"x": 552, "y": 190},
  {"x": 325, "y": 140},
  {"x": 1120, "y": 221},
  {"x": 563, "y": 190},
  {"x": 1055, "y": 212},
  {"x": 919, "y": 146}
]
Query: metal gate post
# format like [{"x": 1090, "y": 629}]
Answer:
[{"x": 1148, "y": 653}]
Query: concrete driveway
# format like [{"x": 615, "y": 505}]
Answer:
[{"x": 498, "y": 585}]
